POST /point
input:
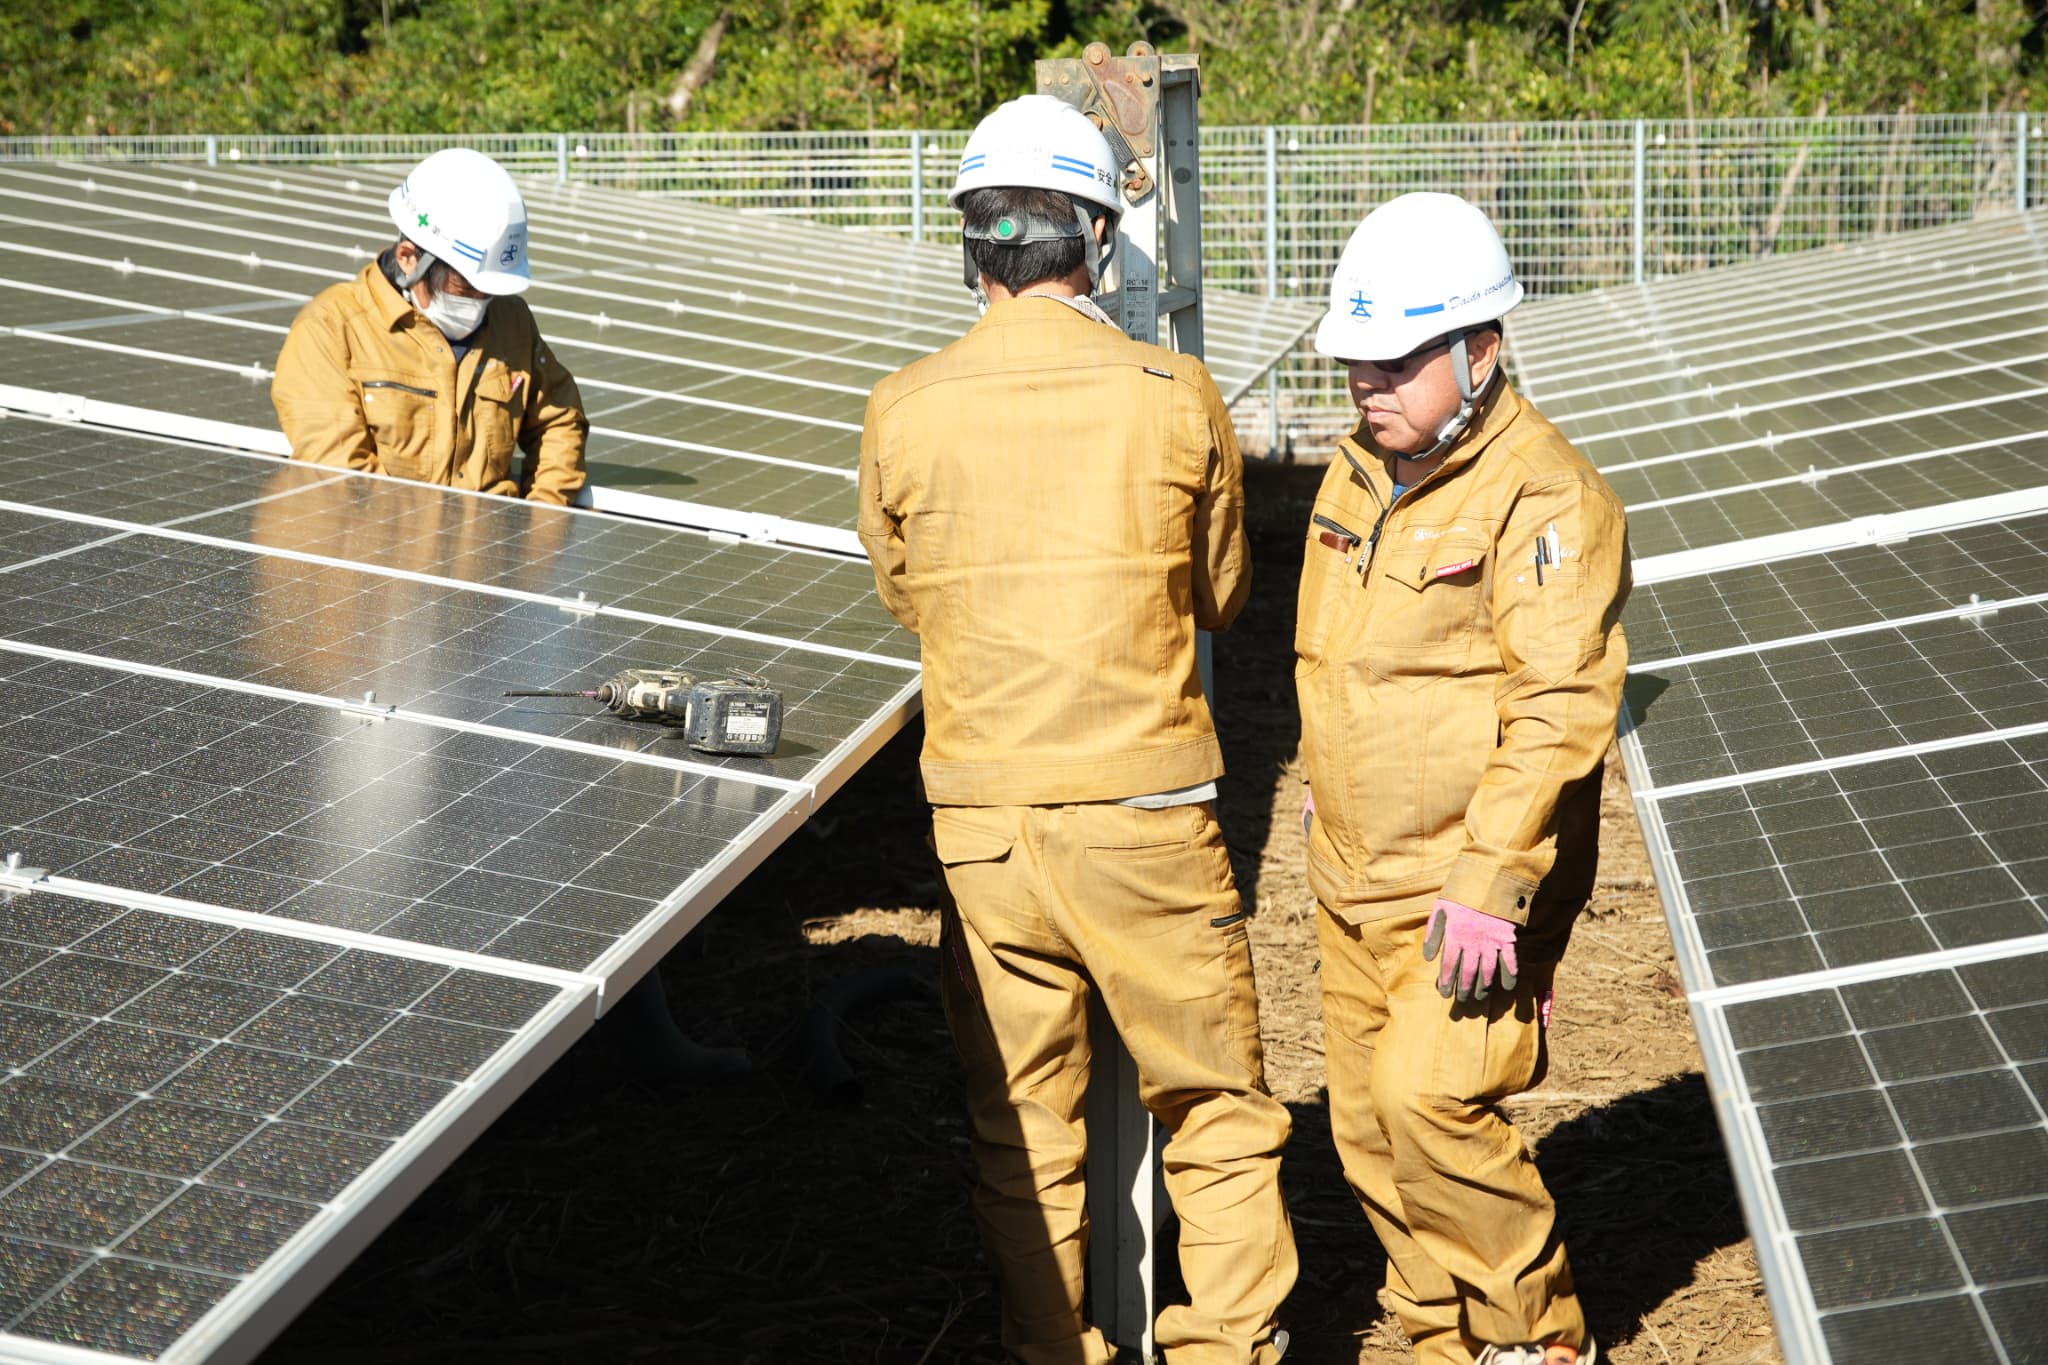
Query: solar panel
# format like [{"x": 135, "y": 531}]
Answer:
[
  {"x": 1748, "y": 607},
  {"x": 183, "y": 666},
  {"x": 724, "y": 362},
  {"x": 196, "y": 1116},
  {"x": 1836, "y": 729},
  {"x": 566, "y": 556}
]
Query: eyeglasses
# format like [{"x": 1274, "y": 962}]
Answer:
[{"x": 1401, "y": 366}]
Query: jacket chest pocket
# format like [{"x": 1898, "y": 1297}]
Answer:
[
  {"x": 1429, "y": 597},
  {"x": 400, "y": 414},
  {"x": 500, "y": 402},
  {"x": 1329, "y": 575}
]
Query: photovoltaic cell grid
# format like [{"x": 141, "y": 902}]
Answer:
[
  {"x": 725, "y": 360},
  {"x": 181, "y": 1100},
  {"x": 470, "y": 841},
  {"x": 1841, "y": 758},
  {"x": 405, "y": 527},
  {"x": 1788, "y": 395},
  {"x": 1946, "y": 849},
  {"x": 1833, "y": 699},
  {"x": 431, "y": 650},
  {"x": 1904, "y": 1116},
  {"x": 1739, "y": 608}
]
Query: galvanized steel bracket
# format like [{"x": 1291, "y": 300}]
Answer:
[{"x": 1120, "y": 96}]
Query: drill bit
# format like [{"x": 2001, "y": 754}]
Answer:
[{"x": 589, "y": 696}]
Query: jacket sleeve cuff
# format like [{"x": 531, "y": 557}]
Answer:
[{"x": 1488, "y": 889}]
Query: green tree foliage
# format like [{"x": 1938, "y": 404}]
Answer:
[{"x": 467, "y": 66}]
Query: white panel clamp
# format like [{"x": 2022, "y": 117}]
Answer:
[
  {"x": 1979, "y": 610},
  {"x": 369, "y": 707},
  {"x": 15, "y": 875}
]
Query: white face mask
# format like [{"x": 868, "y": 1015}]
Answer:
[{"x": 456, "y": 316}]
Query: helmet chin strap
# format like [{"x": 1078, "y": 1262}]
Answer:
[
  {"x": 970, "y": 275},
  {"x": 1469, "y": 398},
  {"x": 419, "y": 271},
  {"x": 1105, "y": 251}
]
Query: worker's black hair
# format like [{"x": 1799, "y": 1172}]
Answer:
[{"x": 1018, "y": 267}]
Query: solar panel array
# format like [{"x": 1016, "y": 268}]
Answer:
[
  {"x": 725, "y": 362},
  {"x": 319, "y": 900},
  {"x": 1836, "y": 728}
]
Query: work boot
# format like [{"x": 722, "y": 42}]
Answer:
[{"x": 1532, "y": 1354}]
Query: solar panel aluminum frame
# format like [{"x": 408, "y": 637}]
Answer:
[
  {"x": 698, "y": 516},
  {"x": 72, "y": 407},
  {"x": 1885, "y": 528},
  {"x": 267, "y": 1300}
]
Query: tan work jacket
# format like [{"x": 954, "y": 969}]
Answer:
[
  {"x": 365, "y": 381},
  {"x": 1054, "y": 508},
  {"x": 1455, "y": 711}
]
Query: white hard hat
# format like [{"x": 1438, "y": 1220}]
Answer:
[
  {"x": 461, "y": 207},
  {"x": 1039, "y": 142},
  {"x": 1417, "y": 268}
]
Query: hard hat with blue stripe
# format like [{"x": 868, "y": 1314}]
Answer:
[
  {"x": 1039, "y": 142},
  {"x": 1421, "y": 266},
  {"x": 461, "y": 207}
]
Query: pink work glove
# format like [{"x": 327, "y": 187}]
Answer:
[
  {"x": 1474, "y": 944},
  {"x": 1308, "y": 814}
]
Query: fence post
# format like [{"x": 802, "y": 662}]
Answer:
[
  {"x": 916, "y": 186},
  {"x": 562, "y": 157},
  {"x": 1273, "y": 282},
  {"x": 2019, "y": 163},
  {"x": 1639, "y": 197},
  {"x": 213, "y": 148}
]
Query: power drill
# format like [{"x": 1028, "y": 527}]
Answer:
[{"x": 741, "y": 714}]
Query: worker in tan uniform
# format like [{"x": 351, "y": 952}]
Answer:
[
  {"x": 1056, "y": 509},
  {"x": 1460, "y": 670},
  {"x": 428, "y": 365}
]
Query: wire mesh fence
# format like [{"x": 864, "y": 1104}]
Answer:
[{"x": 1580, "y": 204}]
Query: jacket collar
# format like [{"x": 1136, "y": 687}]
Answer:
[
  {"x": 1500, "y": 408},
  {"x": 1035, "y": 308},
  {"x": 381, "y": 297}
]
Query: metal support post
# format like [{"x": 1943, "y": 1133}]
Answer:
[
  {"x": 916, "y": 186},
  {"x": 562, "y": 157},
  {"x": 2019, "y": 162},
  {"x": 213, "y": 149},
  {"x": 1273, "y": 282},
  {"x": 1272, "y": 212},
  {"x": 1641, "y": 152}
]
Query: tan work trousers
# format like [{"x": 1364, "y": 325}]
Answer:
[
  {"x": 1054, "y": 903},
  {"x": 1473, "y": 1252}
]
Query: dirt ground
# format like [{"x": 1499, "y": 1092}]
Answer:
[{"x": 763, "y": 1223}]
